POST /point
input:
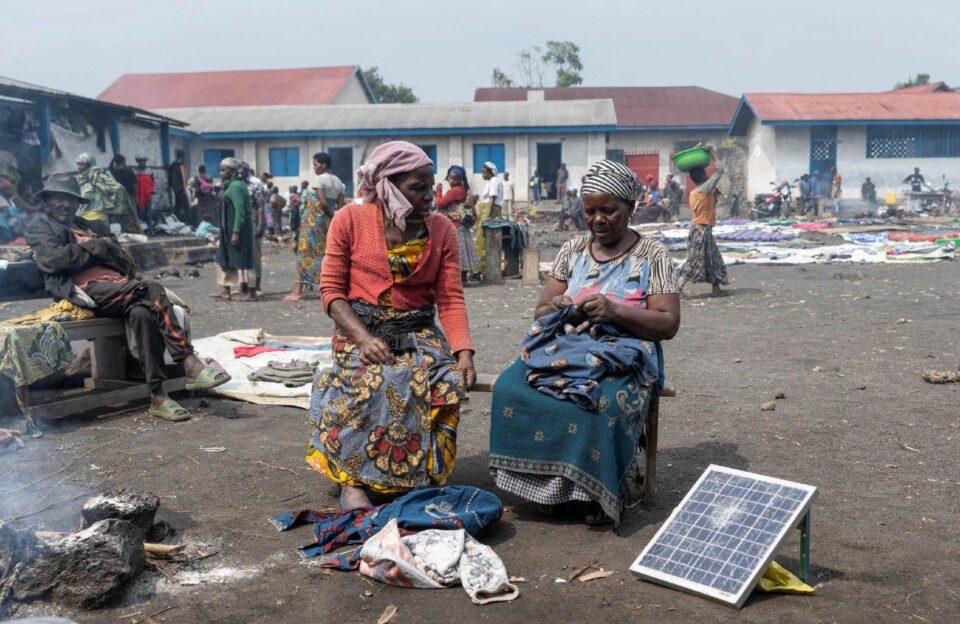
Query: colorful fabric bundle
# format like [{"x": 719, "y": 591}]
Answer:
[{"x": 452, "y": 507}]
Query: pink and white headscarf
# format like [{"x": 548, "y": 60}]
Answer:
[{"x": 387, "y": 160}]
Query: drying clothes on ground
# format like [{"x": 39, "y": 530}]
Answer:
[
  {"x": 434, "y": 559},
  {"x": 62, "y": 310},
  {"x": 28, "y": 353},
  {"x": 300, "y": 346},
  {"x": 567, "y": 362},
  {"x": 109, "y": 198},
  {"x": 207, "y": 229},
  {"x": 452, "y": 507},
  {"x": 550, "y": 451},
  {"x": 292, "y": 374},
  {"x": 250, "y": 351}
]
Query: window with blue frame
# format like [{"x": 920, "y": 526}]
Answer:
[
  {"x": 431, "y": 152},
  {"x": 212, "y": 158},
  {"x": 494, "y": 152},
  {"x": 285, "y": 161},
  {"x": 913, "y": 141}
]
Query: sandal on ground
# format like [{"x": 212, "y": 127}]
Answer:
[
  {"x": 292, "y": 298},
  {"x": 170, "y": 410},
  {"x": 221, "y": 296},
  {"x": 208, "y": 378}
]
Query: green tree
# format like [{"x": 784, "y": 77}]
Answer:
[
  {"x": 564, "y": 56},
  {"x": 500, "y": 79},
  {"x": 531, "y": 67},
  {"x": 384, "y": 93},
  {"x": 916, "y": 81}
]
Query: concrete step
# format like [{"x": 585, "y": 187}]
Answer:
[{"x": 190, "y": 254}]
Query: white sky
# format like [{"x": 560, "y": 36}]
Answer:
[{"x": 444, "y": 50}]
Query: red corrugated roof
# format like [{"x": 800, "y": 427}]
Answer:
[
  {"x": 257, "y": 87},
  {"x": 889, "y": 106},
  {"x": 639, "y": 106}
]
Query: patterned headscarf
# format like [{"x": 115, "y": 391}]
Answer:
[
  {"x": 231, "y": 163},
  {"x": 607, "y": 176},
  {"x": 492, "y": 167},
  {"x": 86, "y": 159},
  {"x": 461, "y": 173},
  {"x": 387, "y": 160}
]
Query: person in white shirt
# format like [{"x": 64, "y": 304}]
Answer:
[
  {"x": 508, "y": 195},
  {"x": 490, "y": 206}
]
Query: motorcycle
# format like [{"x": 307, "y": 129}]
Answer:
[{"x": 773, "y": 205}]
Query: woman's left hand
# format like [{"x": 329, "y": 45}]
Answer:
[
  {"x": 465, "y": 363},
  {"x": 598, "y": 309}
]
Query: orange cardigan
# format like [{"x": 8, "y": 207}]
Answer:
[{"x": 355, "y": 267}]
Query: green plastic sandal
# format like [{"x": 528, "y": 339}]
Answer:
[
  {"x": 208, "y": 378},
  {"x": 170, "y": 410}
]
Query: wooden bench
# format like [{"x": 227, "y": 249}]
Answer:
[
  {"x": 485, "y": 383},
  {"x": 108, "y": 383}
]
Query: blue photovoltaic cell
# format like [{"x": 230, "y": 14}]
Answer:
[{"x": 724, "y": 530}]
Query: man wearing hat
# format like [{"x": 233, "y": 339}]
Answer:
[{"x": 83, "y": 263}]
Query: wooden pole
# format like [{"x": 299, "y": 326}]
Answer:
[
  {"x": 530, "y": 276},
  {"x": 492, "y": 273}
]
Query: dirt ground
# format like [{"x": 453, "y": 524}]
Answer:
[{"x": 857, "y": 422}]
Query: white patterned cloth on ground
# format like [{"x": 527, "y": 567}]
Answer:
[{"x": 434, "y": 559}]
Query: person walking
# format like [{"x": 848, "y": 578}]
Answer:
[
  {"x": 561, "y": 182},
  {"x": 235, "y": 261},
  {"x": 319, "y": 205},
  {"x": 177, "y": 183},
  {"x": 508, "y": 195},
  {"x": 535, "y": 187},
  {"x": 490, "y": 207},
  {"x": 704, "y": 262},
  {"x": 145, "y": 188}
]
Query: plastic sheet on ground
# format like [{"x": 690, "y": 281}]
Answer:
[{"x": 220, "y": 348}]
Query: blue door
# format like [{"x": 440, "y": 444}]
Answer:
[{"x": 823, "y": 148}]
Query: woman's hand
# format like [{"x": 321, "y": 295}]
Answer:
[
  {"x": 599, "y": 309},
  {"x": 235, "y": 239},
  {"x": 465, "y": 363},
  {"x": 373, "y": 350},
  {"x": 561, "y": 301}
]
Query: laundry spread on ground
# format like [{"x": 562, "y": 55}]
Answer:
[{"x": 289, "y": 386}]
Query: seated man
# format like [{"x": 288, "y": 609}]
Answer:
[{"x": 84, "y": 264}]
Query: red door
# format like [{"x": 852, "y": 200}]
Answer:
[{"x": 644, "y": 165}]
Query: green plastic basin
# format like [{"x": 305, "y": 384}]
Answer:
[{"x": 690, "y": 158}]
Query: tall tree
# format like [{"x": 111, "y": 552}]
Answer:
[
  {"x": 564, "y": 56},
  {"x": 916, "y": 81},
  {"x": 384, "y": 93},
  {"x": 531, "y": 67},
  {"x": 500, "y": 79}
]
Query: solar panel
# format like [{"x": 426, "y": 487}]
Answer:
[{"x": 724, "y": 533}]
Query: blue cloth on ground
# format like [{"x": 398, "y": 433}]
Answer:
[{"x": 451, "y": 507}]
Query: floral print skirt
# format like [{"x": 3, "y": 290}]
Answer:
[{"x": 387, "y": 427}]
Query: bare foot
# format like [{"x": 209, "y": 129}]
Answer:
[{"x": 354, "y": 497}]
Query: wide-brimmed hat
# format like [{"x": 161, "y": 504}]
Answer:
[{"x": 62, "y": 183}]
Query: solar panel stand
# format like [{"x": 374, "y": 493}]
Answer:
[{"x": 805, "y": 546}]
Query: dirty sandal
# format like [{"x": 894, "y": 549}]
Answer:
[
  {"x": 170, "y": 410},
  {"x": 208, "y": 378}
]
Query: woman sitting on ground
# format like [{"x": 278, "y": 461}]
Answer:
[
  {"x": 550, "y": 443},
  {"x": 385, "y": 415},
  {"x": 455, "y": 206}
]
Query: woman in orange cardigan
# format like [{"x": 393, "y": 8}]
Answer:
[{"x": 385, "y": 415}]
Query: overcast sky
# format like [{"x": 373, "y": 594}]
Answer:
[{"x": 443, "y": 51}]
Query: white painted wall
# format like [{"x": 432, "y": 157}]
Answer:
[
  {"x": 783, "y": 153},
  {"x": 352, "y": 93},
  {"x": 886, "y": 173},
  {"x": 761, "y": 156}
]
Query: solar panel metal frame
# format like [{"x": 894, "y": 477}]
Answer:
[{"x": 736, "y": 599}]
